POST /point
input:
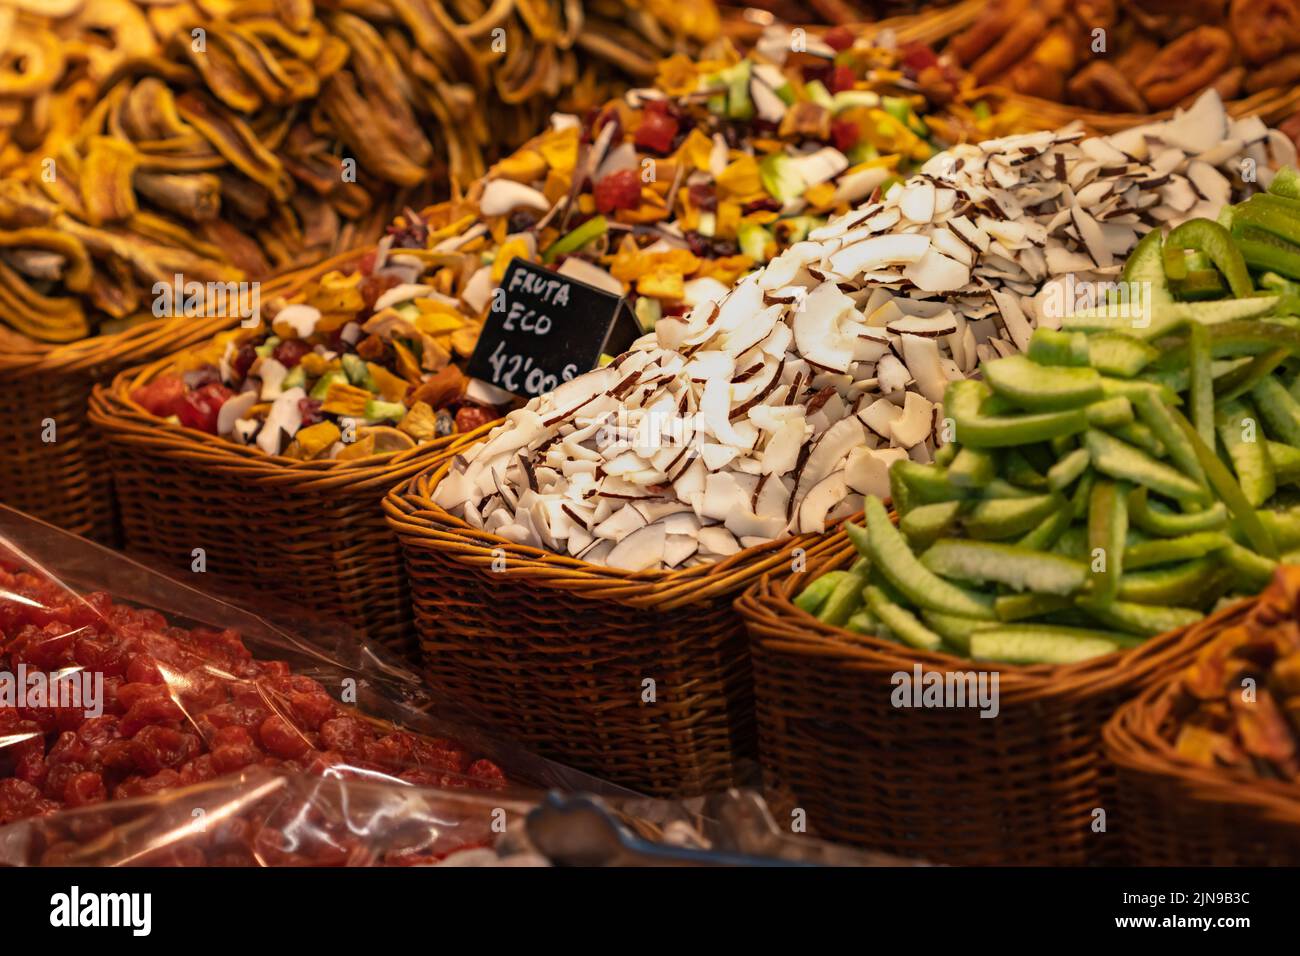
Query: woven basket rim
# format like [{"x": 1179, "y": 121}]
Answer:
[
  {"x": 410, "y": 508},
  {"x": 1133, "y": 742},
  {"x": 770, "y": 597}
]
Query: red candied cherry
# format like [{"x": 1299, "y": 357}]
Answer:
[
  {"x": 838, "y": 39},
  {"x": 156, "y": 748},
  {"x": 344, "y": 734},
  {"x": 200, "y": 408},
  {"x": 282, "y": 739},
  {"x": 290, "y": 352},
  {"x": 18, "y": 799},
  {"x": 162, "y": 397},
  {"x": 487, "y": 774},
  {"x": 658, "y": 129},
  {"x": 470, "y": 417},
  {"x": 618, "y": 190},
  {"x": 84, "y": 788},
  {"x": 844, "y": 134},
  {"x": 155, "y": 710},
  {"x": 918, "y": 56},
  {"x": 842, "y": 78},
  {"x": 311, "y": 710}
]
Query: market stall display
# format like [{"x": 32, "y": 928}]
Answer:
[{"x": 1207, "y": 760}]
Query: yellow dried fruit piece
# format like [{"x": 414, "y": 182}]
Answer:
[
  {"x": 696, "y": 150},
  {"x": 407, "y": 365},
  {"x": 508, "y": 251},
  {"x": 728, "y": 220},
  {"x": 740, "y": 180},
  {"x": 439, "y": 323},
  {"x": 344, "y": 399},
  {"x": 363, "y": 447},
  {"x": 727, "y": 269},
  {"x": 560, "y": 149},
  {"x": 464, "y": 340},
  {"x": 557, "y": 185},
  {"x": 391, "y": 387},
  {"x": 314, "y": 439},
  {"x": 820, "y": 196},
  {"x": 314, "y": 364},
  {"x": 420, "y": 422},
  {"x": 662, "y": 284},
  {"x": 524, "y": 166}
]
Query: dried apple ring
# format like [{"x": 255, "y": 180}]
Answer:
[
  {"x": 31, "y": 63},
  {"x": 1265, "y": 28},
  {"x": 1188, "y": 64}
]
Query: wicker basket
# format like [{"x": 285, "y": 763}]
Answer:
[
  {"x": 295, "y": 536},
  {"x": 1176, "y": 813},
  {"x": 558, "y": 650},
  {"x": 942, "y": 784},
  {"x": 67, "y": 481}
]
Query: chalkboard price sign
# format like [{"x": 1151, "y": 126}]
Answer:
[{"x": 545, "y": 328}]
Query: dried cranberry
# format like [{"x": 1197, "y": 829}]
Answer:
[
  {"x": 838, "y": 39},
  {"x": 290, "y": 352},
  {"x": 156, "y": 748},
  {"x": 366, "y": 264},
  {"x": 488, "y": 774},
  {"x": 844, "y": 134},
  {"x": 618, "y": 190},
  {"x": 373, "y": 286},
  {"x": 18, "y": 799},
  {"x": 162, "y": 397},
  {"x": 200, "y": 407},
  {"x": 470, "y": 417},
  {"x": 309, "y": 409},
  {"x": 311, "y": 710},
  {"x": 232, "y": 757},
  {"x": 656, "y": 132},
  {"x": 156, "y": 710},
  {"x": 703, "y": 196},
  {"x": 764, "y": 204},
  {"x": 412, "y": 236},
  {"x": 344, "y": 734}
]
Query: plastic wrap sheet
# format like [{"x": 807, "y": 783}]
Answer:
[{"x": 119, "y": 684}]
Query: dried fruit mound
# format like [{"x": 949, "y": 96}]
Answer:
[
  {"x": 1132, "y": 57},
  {"x": 213, "y": 139},
  {"x": 359, "y": 364},
  {"x": 1216, "y": 722},
  {"x": 180, "y": 706},
  {"x": 674, "y": 190}
]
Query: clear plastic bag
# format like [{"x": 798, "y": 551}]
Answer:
[{"x": 117, "y": 682}]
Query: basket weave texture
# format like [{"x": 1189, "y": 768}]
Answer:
[
  {"x": 289, "y": 535},
  {"x": 67, "y": 481},
  {"x": 942, "y": 784},
  {"x": 558, "y": 651},
  {"x": 1178, "y": 813}
]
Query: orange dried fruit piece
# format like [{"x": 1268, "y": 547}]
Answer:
[
  {"x": 363, "y": 447},
  {"x": 392, "y": 388},
  {"x": 525, "y": 166},
  {"x": 347, "y": 400},
  {"x": 315, "y": 439},
  {"x": 1205, "y": 747},
  {"x": 420, "y": 422}
]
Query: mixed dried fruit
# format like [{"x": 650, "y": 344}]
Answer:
[
  {"x": 360, "y": 363},
  {"x": 1238, "y": 705},
  {"x": 775, "y": 409},
  {"x": 180, "y": 706},
  {"x": 225, "y": 141},
  {"x": 674, "y": 191}
]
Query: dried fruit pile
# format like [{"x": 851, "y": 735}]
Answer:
[
  {"x": 774, "y": 410},
  {"x": 222, "y": 141},
  {"x": 358, "y": 364},
  {"x": 673, "y": 191},
  {"x": 180, "y": 706},
  {"x": 1076, "y": 494},
  {"x": 1219, "y": 719},
  {"x": 1132, "y": 57}
]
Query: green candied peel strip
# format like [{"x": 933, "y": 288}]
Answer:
[
  {"x": 1042, "y": 644},
  {"x": 847, "y": 596},
  {"x": 1240, "y": 380},
  {"x": 1140, "y": 619},
  {"x": 1239, "y": 431},
  {"x": 1226, "y": 487},
  {"x": 1158, "y": 417},
  {"x": 1284, "y": 526},
  {"x": 575, "y": 239},
  {"x": 1110, "y": 413},
  {"x": 1107, "y": 529},
  {"x": 972, "y": 468},
  {"x": 1169, "y": 524},
  {"x": 1064, "y": 473},
  {"x": 1015, "y": 607},
  {"x": 901, "y": 622},
  {"x": 979, "y": 430},
  {"x": 1052, "y": 348},
  {"x": 1016, "y": 567},
  {"x": 1280, "y": 411},
  {"x": 1039, "y": 388},
  {"x": 1201, "y": 383},
  {"x": 1167, "y": 317},
  {"x": 1187, "y": 547},
  {"x": 1173, "y": 586},
  {"x": 812, "y": 597},
  {"x": 1207, "y": 236},
  {"x": 1254, "y": 570},
  {"x": 1286, "y": 462},
  {"x": 1049, "y": 530},
  {"x": 926, "y": 523},
  {"x": 1118, "y": 459},
  {"x": 1009, "y": 517},
  {"x": 893, "y": 559},
  {"x": 1122, "y": 355}
]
